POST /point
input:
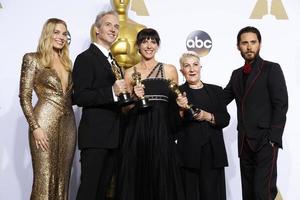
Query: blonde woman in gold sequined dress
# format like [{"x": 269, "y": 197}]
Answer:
[{"x": 52, "y": 130}]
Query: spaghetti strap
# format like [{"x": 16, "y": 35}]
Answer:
[{"x": 157, "y": 70}]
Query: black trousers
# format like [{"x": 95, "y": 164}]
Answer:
[
  {"x": 259, "y": 172},
  {"x": 206, "y": 182},
  {"x": 97, "y": 168}
]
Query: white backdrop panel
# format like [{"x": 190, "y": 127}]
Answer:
[{"x": 20, "y": 26}]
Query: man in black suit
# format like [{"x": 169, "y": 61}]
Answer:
[
  {"x": 260, "y": 92},
  {"x": 95, "y": 90}
]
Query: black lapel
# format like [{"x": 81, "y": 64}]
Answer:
[
  {"x": 254, "y": 75},
  {"x": 212, "y": 96},
  {"x": 101, "y": 57},
  {"x": 238, "y": 83}
]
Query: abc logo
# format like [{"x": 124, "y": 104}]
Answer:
[
  {"x": 69, "y": 37},
  {"x": 199, "y": 42}
]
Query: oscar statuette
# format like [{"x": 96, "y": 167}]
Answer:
[
  {"x": 124, "y": 97},
  {"x": 189, "y": 107},
  {"x": 143, "y": 101}
]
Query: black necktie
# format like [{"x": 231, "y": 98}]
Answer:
[{"x": 110, "y": 56}]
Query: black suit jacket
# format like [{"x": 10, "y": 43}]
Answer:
[
  {"x": 100, "y": 121},
  {"x": 262, "y": 103},
  {"x": 190, "y": 139}
]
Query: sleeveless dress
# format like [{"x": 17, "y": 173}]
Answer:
[
  {"x": 148, "y": 168},
  {"x": 54, "y": 114}
]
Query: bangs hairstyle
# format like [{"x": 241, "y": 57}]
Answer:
[
  {"x": 147, "y": 34},
  {"x": 189, "y": 54},
  {"x": 98, "y": 22},
  {"x": 45, "y": 45}
]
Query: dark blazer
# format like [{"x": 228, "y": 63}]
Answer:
[
  {"x": 100, "y": 120},
  {"x": 261, "y": 105},
  {"x": 189, "y": 140}
]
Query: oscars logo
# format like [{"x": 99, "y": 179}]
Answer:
[
  {"x": 139, "y": 7},
  {"x": 268, "y": 7},
  {"x": 0, "y": 5},
  {"x": 123, "y": 49}
]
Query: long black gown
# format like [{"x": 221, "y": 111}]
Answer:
[{"x": 148, "y": 169}]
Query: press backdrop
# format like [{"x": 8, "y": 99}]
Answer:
[{"x": 20, "y": 26}]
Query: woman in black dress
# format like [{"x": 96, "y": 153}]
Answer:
[
  {"x": 148, "y": 168},
  {"x": 200, "y": 144}
]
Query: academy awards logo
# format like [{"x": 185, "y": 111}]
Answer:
[
  {"x": 139, "y": 7},
  {"x": 0, "y": 5},
  {"x": 199, "y": 42},
  {"x": 268, "y": 8}
]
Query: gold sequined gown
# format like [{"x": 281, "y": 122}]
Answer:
[{"x": 54, "y": 114}]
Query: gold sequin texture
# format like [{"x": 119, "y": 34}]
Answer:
[{"x": 54, "y": 114}]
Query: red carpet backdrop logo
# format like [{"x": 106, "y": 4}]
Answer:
[
  {"x": 269, "y": 7},
  {"x": 199, "y": 42},
  {"x": 139, "y": 7},
  {"x": 69, "y": 38}
]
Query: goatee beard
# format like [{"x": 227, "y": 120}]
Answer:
[{"x": 250, "y": 59}]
